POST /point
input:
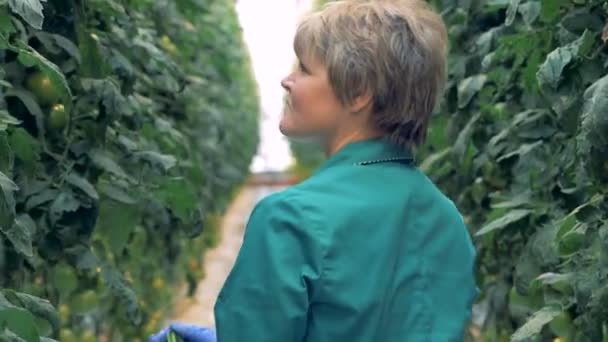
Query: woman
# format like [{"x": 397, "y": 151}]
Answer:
[{"x": 367, "y": 249}]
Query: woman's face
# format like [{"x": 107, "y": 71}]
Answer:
[{"x": 311, "y": 108}]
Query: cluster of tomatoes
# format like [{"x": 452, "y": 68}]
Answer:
[{"x": 48, "y": 95}]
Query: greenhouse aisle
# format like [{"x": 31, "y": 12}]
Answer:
[{"x": 219, "y": 261}]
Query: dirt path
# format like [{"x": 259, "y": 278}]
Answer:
[{"x": 218, "y": 261}]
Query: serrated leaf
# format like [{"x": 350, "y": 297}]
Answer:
[
  {"x": 594, "y": 117},
  {"x": 86, "y": 260},
  {"x": 8, "y": 336},
  {"x": 550, "y": 10},
  {"x": 37, "y": 306},
  {"x": 26, "y": 148},
  {"x": 115, "y": 223},
  {"x": 178, "y": 195},
  {"x": 535, "y": 324},
  {"x": 65, "y": 202},
  {"x": 40, "y": 198},
  {"x": 105, "y": 162},
  {"x": 115, "y": 193},
  {"x": 572, "y": 241},
  {"x": 512, "y": 11},
  {"x": 7, "y": 157},
  {"x": 7, "y": 184},
  {"x": 551, "y": 278},
  {"x": 20, "y": 235},
  {"x": 522, "y": 150},
  {"x": 463, "y": 140},
  {"x": 7, "y": 120},
  {"x": 83, "y": 184},
  {"x": 19, "y": 321},
  {"x": 530, "y": 12},
  {"x": 65, "y": 279},
  {"x": 550, "y": 72},
  {"x": 6, "y": 24},
  {"x": 165, "y": 161},
  {"x": 428, "y": 163},
  {"x": 64, "y": 43},
  {"x": 511, "y": 217},
  {"x": 570, "y": 220},
  {"x": 468, "y": 88},
  {"x": 29, "y": 10},
  {"x": 29, "y": 101}
]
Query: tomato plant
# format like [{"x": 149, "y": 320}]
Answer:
[{"x": 125, "y": 129}]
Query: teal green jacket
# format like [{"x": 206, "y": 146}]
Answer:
[{"x": 367, "y": 249}]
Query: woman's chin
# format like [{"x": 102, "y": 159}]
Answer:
[{"x": 287, "y": 127}]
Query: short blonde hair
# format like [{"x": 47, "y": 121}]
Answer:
[{"x": 393, "y": 50}]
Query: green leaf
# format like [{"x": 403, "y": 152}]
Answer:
[
  {"x": 65, "y": 279},
  {"x": 6, "y": 23},
  {"x": 115, "y": 193},
  {"x": 37, "y": 306},
  {"x": 165, "y": 161},
  {"x": 7, "y": 120},
  {"x": 7, "y": 157},
  {"x": 522, "y": 150},
  {"x": 512, "y": 11},
  {"x": 105, "y": 162},
  {"x": 561, "y": 282},
  {"x": 530, "y": 12},
  {"x": 511, "y": 217},
  {"x": 29, "y": 10},
  {"x": 7, "y": 184},
  {"x": 115, "y": 223},
  {"x": 40, "y": 198},
  {"x": 63, "y": 43},
  {"x": 535, "y": 324},
  {"x": 428, "y": 163},
  {"x": 26, "y": 148},
  {"x": 19, "y": 321},
  {"x": 8, "y": 336},
  {"x": 463, "y": 140},
  {"x": 572, "y": 241},
  {"x": 178, "y": 195},
  {"x": 19, "y": 234},
  {"x": 82, "y": 184},
  {"x": 594, "y": 118},
  {"x": 550, "y": 72},
  {"x": 65, "y": 202},
  {"x": 468, "y": 88},
  {"x": 28, "y": 56},
  {"x": 29, "y": 101},
  {"x": 550, "y": 10},
  {"x": 570, "y": 220},
  {"x": 87, "y": 261}
]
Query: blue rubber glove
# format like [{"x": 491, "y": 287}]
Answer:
[{"x": 189, "y": 333}]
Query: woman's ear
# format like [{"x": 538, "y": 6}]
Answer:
[{"x": 361, "y": 103}]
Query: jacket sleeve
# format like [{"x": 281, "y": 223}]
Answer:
[{"x": 275, "y": 276}]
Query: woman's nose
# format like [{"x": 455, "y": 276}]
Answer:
[{"x": 286, "y": 82}]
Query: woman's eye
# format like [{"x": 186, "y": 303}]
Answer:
[{"x": 303, "y": 68}]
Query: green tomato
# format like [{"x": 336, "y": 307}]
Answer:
[
  {"x": 66, "y": 335},
  {"x": 42, "y": 87},
  {"x": 58, "y": 118},
  {"x": 88, "y": 336}
]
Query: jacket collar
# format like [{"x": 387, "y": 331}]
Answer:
[{"x": 366, "y": 152}]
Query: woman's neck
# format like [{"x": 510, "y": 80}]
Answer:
[{"x": 337, "y": 142}]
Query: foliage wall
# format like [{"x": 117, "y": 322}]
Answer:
[{"x": 125, "y": 128}]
